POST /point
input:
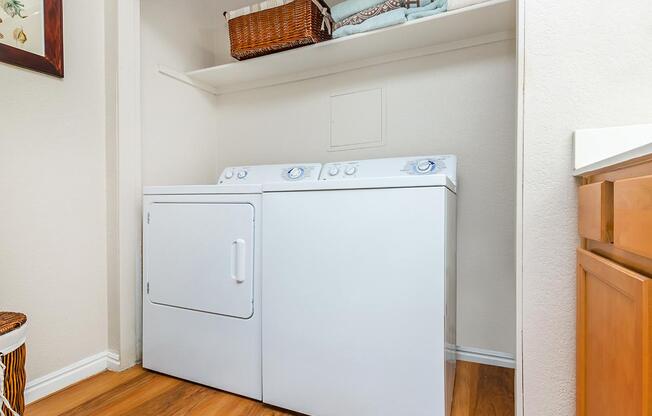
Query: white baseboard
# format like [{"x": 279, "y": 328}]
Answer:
[
  {"x": 67, "y": 376},
  {"x": 487, "y": 357},
  {"x": 74, "y": 373},
  {"x": 113, "y": 361}
]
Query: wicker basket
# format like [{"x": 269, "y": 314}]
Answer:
[
  {"x": 298, "y": 23},
  {"x": 12, "y": 357}
]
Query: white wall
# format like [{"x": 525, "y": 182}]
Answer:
[
  {"x": 178, "y": 122},
  {"x": 460, "y": 102},
  {"x": 587, "y": 65},
  {"x": 53, "y": 206}
]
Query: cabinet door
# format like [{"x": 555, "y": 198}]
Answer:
[{"x": 613, "y": 339}]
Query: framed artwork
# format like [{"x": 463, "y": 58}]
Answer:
[{"x": 31, "y": 35}]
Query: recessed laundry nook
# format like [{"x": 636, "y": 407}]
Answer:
[
  {"x": 324, "y": 208},
  {"x": 362, "y": 112}
]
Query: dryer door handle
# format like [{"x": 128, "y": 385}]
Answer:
[{"x": 238, "y": 252}]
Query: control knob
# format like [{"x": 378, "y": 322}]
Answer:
[
  {"x": 295, "y": 173},
  {"x": 242, "y": 174},
  {"x": 351, "y": 170},
  {"x": 334, "y": 171},
  {"x": 425, "y": 166}
]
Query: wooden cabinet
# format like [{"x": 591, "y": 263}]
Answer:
[
  {"x": 614, "y": 291},
  {"x": 596, "y": 217},
  {"x": 633, "y": 215},
  {"x": 613, "y": 328}
]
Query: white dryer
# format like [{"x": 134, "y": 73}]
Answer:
[
  {"x": 202, "y": 284},
  {"x": 360, "y": 289}
]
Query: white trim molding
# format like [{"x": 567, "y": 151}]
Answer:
[
  {"x": 520, "y": 206},
  {"x": 124, "y": 183},
  {"x": 487, "y": 357},
  {"x": 113, "y": 361},
  {"x": 110, "y": 360},
  {"x": 67, "y": 376}
]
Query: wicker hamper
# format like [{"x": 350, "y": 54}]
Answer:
[
  {"x": 277, "y": 25},
  {"x": 12, "y": 363}
]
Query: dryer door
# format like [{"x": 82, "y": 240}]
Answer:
[{"x": 199, "y": 256}]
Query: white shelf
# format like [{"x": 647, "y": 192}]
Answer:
[{"x": 483, "y": 23}]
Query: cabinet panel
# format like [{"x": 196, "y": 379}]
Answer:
[
  {"x": 595, "y": 203},
  {"x": 633, "y": 215},
  {"x": 613, "y": 338}
]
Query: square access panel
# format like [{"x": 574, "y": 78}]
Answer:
[{"x": 358, "y": 119}]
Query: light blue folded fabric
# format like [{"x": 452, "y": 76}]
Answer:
[
  {"x": 436, "y": 7},
  {"x": 419, "y": 15},
  {"x": 391, "y": 18},
  {"x": 348, "y": 8}
]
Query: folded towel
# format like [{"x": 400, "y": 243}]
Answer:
[
  {"x": 374, "y": 11},
  {"x": 348, "y": 8},
  {"x": 436, "y": 7},
  {"x": 458, "y": 4},
  {"x": 419, "y": 15},
  {"x": 391, "y": 18}
]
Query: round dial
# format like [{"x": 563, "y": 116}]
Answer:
[
  {"x": 242, "y": 174},
  {"x": 425, "y": 166},
  {"x": 295, "y": 173},
  {"x": 351, "y": 170},
  {"x": 334, "y": 171},
  {"x": 228, "y": 174}
]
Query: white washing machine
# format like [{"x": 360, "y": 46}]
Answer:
[
  {"x": 202, "y": 284},
  {"x": 360, "y": 289}
]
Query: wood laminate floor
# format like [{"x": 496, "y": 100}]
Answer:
[{"x": 479, "y": 391}]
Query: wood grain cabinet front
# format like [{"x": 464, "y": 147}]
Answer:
[
  {"x": 613, "y": 339},
  {"x": 633, "y": 215},
  {"x": 595, "y": 202}
]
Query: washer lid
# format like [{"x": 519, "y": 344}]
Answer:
[{"x": 364, "y": 183}]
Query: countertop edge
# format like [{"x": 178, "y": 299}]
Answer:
[
  {"x": 597, "y": 149},
  {"x": 632, "y": 154}
]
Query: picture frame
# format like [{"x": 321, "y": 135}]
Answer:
[{"x": 48, "y": 58}]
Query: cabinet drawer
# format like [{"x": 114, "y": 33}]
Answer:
[
  {"x": 596, "y": 216},
  {"x": 613, "y": 339},
  {"x": 633, "y": 215}
]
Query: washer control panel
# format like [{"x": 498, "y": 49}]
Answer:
[
  {"x": 270, "y": 173},
  {"x": 391, "y": 168}
]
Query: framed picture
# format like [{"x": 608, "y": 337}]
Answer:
[{"x": 31, "y": 35}]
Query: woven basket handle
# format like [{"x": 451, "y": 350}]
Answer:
[{"x": 327, "y": 20}]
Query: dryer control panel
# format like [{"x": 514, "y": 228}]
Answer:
[
  {"x": 391, "y": 168},
  {"x": 262, "y": 174}
]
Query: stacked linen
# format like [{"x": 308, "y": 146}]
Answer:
[
  {"x": 369, "y": 13},
  {"x": 429, "y": 9},
  {"x": 459, "y": 4},
  {"x": 357, "y": 16}
]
